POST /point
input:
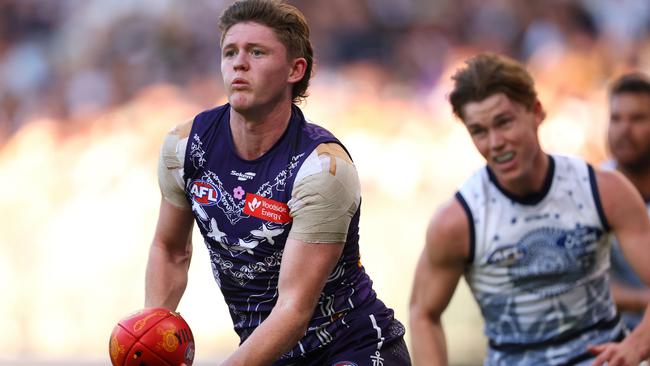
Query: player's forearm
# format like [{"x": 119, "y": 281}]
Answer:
[
  {"x": 166, "y": 277},
  {"x": 640, "y": 336},
  {"x": 280, "y": 332},
  {"x": 427, "y": 340},
  {"x": 630, "y": 299}
]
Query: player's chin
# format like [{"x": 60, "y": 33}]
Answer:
[
  {"x": 240, "y": 103},
  {"x": 506, "y": 173},
  {"x": 506, "y": 168}
]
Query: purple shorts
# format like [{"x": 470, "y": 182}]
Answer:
[{"x": 368, "y": 341}]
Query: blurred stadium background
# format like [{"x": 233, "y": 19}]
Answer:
[{"x": 88, "y": 88}]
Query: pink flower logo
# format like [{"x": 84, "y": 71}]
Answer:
[{"x": 238, "y": 192}]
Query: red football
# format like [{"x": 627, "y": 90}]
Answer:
[{"x": 152, "y": 337}]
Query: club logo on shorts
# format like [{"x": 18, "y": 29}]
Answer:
[
  {"x": 204, "y": 193},
  {"x": 344, "y": 363},
  {"x": 266, "y": 209}
]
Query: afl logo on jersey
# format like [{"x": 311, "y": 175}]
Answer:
[
  {"x": 204, "y": 193},
  {"x": 345, "y": 363}
]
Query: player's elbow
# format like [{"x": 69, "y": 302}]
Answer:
[
  {"x": 295, "y": 313},
  {"x": 422, "y": 314},
  {"x": 174, "y": 253}
]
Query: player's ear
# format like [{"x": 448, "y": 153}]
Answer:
[
  {"x": 297, "y": 71},
  {"x": 540, "y": 113}
]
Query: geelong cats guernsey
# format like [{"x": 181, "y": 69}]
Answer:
[
  {"x": 539, "y": 266},
  {"x": 240, "y": 206}
]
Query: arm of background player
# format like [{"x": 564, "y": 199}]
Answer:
[
  {"x": 629, "y": 298},
  {"x": 628, "y": 218},
  {"x": 303, "y": 272},
  {"x": 439, "y": 269}
]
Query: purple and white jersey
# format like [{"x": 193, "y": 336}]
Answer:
[{"x": 240, "y": 206}]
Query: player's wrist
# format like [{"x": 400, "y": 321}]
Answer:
[{"x": 639, "y": 340}]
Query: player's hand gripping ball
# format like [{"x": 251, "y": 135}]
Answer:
[{"x": 152, "y": 337}]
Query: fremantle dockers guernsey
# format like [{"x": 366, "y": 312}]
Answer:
[
  {"x": 240, "y": 207},
  {"x": 539, "y": 266}
]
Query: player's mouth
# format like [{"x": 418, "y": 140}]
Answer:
[
  {"x": 239, "y": 83},
  {"x": 624, "y": 144},
  {"x": 504, "y": 158}
]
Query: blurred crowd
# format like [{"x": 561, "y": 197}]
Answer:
[
  {"x": 129, "y": 70},
  {"x": 70, "y": 58}
]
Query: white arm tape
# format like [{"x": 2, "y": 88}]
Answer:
[
  {"x": 170, "y": 170},
  {"x": 326, "y": 194}
]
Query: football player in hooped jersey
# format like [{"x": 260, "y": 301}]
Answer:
[
  {"x": 529, "y": 232},
  {"x": 277, "y": 200}
]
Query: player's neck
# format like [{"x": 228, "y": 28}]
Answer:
[
  {"x": 640, "y": 178},
  {"x": 532, "y": 183},
  {"x": 255, "y": 132}
]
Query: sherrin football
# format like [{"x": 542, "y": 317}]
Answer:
[{"x": 152, "y": 337}]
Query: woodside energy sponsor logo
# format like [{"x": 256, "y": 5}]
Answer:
[{"x": 266, "y": 209}]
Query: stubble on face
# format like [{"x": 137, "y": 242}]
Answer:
[{"x": 629, "y": 131}]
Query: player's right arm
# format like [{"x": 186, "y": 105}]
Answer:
[
  {"x": 171, "y": 248},
  {"x": 629, "y": 298},
  {"x": 627, "y": 216},
  {"x": 439, "y": 269}
]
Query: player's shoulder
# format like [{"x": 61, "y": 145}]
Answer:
[
  {"x": 611, "y": 183},
  {"x": 333, "y": 149},
  {"x": 449, "y": 230},
  {"x": 450, "y": 218},
  {"x": 614, "y": 189},
  {"x": 328, "y": 164},
  {"x": 172, "y": 152}
]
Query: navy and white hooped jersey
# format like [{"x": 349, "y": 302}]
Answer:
[
  {"x": 539, "y": 266},
  {"x": 240, "y": 207}
]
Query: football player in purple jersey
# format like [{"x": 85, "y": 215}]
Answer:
[{"x": 277, "y": 200}]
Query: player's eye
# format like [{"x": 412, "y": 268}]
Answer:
[
  {"x": 477, "y": 132},
  {"x": 503, "y": 121}
]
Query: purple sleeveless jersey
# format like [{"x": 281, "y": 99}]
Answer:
[{"x": 241, "y": 209}]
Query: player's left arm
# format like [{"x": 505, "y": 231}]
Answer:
[
  {"x": 627, "y": 216},
  {"x": 322, "y": 205}
]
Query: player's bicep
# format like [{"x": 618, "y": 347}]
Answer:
[
  {"x": 174, "y": 228},
  {"x": 325, "y": 197},
  {"x": 627, "y": 216},
  {"x": 443, "y": 260}
]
